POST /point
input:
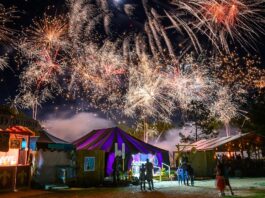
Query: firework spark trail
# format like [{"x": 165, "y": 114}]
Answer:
[
  {"x": 224, "y": 108},
  {"x": 88, "y": 19},
  {"x": 98, "y": 76},
  {"x": 3, "y": 62},
  {"x": 48, "y": 32},
  {"x": 147, "y": 92},
  {"x": 222, "y": 21},
  {"x": 6, "y": 16},
  {"x": 42, "y": 46},
  {"x": 240, "y": 74}
]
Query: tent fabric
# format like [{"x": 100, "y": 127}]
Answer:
[
  {"x": 20, "y": 130},
  {"x": 215, "y": 143},
  {"x": 46, "y": 140},
  {"x": 105, "y": 139},
  {"x": 46, "y": 137}
]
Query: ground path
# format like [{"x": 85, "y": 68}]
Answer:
[{"x": 204, "y": 189}]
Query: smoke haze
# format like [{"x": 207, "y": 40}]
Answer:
[{"x": 74, "y": 127}]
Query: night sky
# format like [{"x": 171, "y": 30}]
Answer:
[{"x": 28, "y": 10}]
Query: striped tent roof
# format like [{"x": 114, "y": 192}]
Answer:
[
  {"x": 222, "y": 142},
  {"x": 20, "y": 130},
  {"x": 105, "y": 139}
]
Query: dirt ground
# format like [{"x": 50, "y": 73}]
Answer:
[{"x": 204, "y": 189}]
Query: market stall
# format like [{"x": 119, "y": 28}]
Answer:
[
  {"x": 245, "y": 154},
  {"x": 53, "y": 160},
  {"x": 15, "y": 158}
]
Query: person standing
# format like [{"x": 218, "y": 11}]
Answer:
[
  {"x": 226, "y": 177},
  {"x": 180, "y": 175},
  {"x": 142, "y": 177},
  {"x": 220, "y": 181},
  {"x": 191, "y": 174},
  {"x": 185, "y": 173},
  {"x": 149, "y": 174}
]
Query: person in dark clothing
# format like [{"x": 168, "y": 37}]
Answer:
[
  {"x": 117, "y": 164},
  {"x": 226, "y": 176},
  {"x": 149, "y": 174},
  {"x": 185, "y": 173},
  {"x": 142, "y": 177},
  {"x": 191, "y": 174}
]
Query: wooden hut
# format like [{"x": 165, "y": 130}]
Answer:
[
  {"x": 202, "y": 154},
  {"x": 54, "y": 162},
  {"x": 15, "y": 162}
]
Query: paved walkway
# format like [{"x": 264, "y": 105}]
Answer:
[{"x": 203, "y": 189}]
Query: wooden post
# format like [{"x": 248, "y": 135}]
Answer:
[{"x": 28, "y": 151}]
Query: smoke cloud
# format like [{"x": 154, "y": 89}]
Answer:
[
  {"x": 172, "y": 138},
  {"x": 74, "y": 127}
]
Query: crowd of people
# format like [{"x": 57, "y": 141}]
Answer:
[{"x": 185, "y": 174}]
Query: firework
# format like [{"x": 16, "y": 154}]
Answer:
[
  {"x": 48, "y": 32},
  {"x": 3, "y": 62},
  {"x": 127, "y": 24},
  {"x": 43, "y": 47},
  {"x": 240, "y": 20},
  {"x": 28, "y": 98},
  {"x": 224, "y": 108},
  {"x": 191, "y": 84},
  {"x": 98, "y": 76},
  {"x": 6, "y": 16},
  {"x": 148, "y": 95},
  {"x": 119, "y": 57},
  {"x": 240, "y": 73}
]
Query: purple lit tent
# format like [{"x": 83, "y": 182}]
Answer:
[{"x": 105, "y": 139}]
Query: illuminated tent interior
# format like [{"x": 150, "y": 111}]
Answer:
[{"x": 105, "y": 139}]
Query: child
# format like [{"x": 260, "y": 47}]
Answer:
[
  {"x": 180, "y": 175},
  {"x": 142, "y": 177}
]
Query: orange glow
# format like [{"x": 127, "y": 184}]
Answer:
[
  {"x": 223, "y": 13},
  {"x": 9, "y": 158}
]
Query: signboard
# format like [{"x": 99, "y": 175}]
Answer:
[
  {"x": 89, "y": 164},
  {"x": 7, "y": 121},
  {"x": 15, "y": 143},
  {"x": 4, "y": 142}
]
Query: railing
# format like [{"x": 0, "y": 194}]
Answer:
[
  {"x": 163, "y": 164},
  {"x": 160, "y": 175}
]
